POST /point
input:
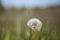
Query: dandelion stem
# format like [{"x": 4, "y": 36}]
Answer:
[{"x": 35, "y": 35}]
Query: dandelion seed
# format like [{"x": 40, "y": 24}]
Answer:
[{"x": 28, "y": 33}]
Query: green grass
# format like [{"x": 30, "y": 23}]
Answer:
[{"x": 9, "y": 33}]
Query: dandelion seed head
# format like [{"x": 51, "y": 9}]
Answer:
[{"x": 34, "y": 23}]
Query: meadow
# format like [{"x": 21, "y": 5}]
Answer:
[{"x": 13, "y": 25}]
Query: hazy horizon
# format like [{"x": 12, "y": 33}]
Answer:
[{"x": 29, "y": 3}]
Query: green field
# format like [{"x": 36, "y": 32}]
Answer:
[{"x": 15, "y": 28}]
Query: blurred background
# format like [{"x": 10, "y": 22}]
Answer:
[{"x": 14, "y": 15}]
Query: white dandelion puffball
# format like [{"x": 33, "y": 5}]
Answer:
[{"x": 34, "y": 24}]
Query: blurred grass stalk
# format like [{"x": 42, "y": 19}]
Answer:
[
  {"x": 18, "y": 27},
  {"x": 7, "y": 37}
]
